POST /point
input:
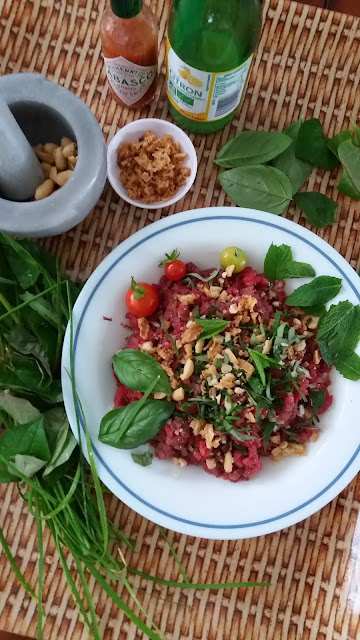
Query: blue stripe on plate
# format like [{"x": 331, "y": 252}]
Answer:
[{"x": 100, "y": 458}]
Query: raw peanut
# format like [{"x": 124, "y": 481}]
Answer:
[
  {"x": 45, "y": 157},
  {"x": 38, "y": 147},
  {"x": 65, "y": 141},
  {"x": 63, "y": 177},
  {"x": 69, "y": 150},
  {"x": 188, "y": 370},
  {"x": 53, "y": 173},
  {"x": 50, "y": 147},
  {"x": 72, "y": 162},
  {"x": 178, "y": 394},
  {"x": 60, "y": 161},
  {"x": 46, "y": 168},
  {"x": 44, "y": 190},
  {"x": 159, "y": 395}
]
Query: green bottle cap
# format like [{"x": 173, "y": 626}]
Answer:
[{"x": 126, "y": 8}]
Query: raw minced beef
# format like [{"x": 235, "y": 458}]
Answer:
[{"x": 227, "y": 408}]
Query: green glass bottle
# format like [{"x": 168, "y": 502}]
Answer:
[{"x": 209, "y": 53}]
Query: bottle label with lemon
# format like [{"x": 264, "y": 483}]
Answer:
[{"x": 202, "y": 95}]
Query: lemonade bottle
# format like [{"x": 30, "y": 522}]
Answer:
[{"x": 209, "y": 53}]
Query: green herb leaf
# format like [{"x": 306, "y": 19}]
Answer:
[
  {"x": 355, "y": 131},
  {"x": 279, "y": 264},
  {"x": 211, "y": 327},
  {"x": 19, "y": 409},
  {"x": 26, "y": 439},
  {"x": 24, "y": 267},
  {"x": 317, "y": 400},
  {"x": 347, "y": 187},
  {"x": 136, "y": 370},
  {"x": 297, "y": 170},
  {"x": 319, "y": 210},
  {"x": 349, "y": 366},
  {"x": 262, "y": 362},
  {"x": 169, "y": 257},
  {"x": 212, "y": 275},
  {"x": 143, "y": 459},
  {"x": 147, "y": 424},
  {"x": 28, "y": 344},
  {"x": 252, "y": 148},
  {"x": 312, "y": 145},
  {"x": 28, "y": 465},
  {"x": 339, "y": 331},
  {"x": 258, "y": 187},
  {"x": 349, "y": 155},
  {"x": 267, "y": 428},
  {"x": 60, "y": 439},
  {"x": 317, "y": 292},
  {"x": 334, "y": 143},
  {"x": 137, "y": 289}
]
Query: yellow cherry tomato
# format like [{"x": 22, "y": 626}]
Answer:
[{"x": 235, "y": 256}]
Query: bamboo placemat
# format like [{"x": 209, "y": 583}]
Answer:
[{"x": 307, "y": 62}]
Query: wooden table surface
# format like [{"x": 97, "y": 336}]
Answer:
[{"x": 307, "y": 62}]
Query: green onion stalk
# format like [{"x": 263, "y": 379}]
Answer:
[{"x": 62, "y": 491}]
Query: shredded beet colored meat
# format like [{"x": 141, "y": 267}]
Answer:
[{"x": 233, "y": 414}]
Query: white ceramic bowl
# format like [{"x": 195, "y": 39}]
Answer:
[
  {"x": 189, "y": 500},
  {"x": 132, "y": 132}
]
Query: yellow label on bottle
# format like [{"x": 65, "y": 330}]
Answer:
[{"x": 202, "y": 95}]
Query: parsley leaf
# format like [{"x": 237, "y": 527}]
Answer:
[
  {"x": 317, "y": 292},
  {"x": 279, "y": 264}
]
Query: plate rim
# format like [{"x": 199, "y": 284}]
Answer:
[{"x": 321, "y": 498}]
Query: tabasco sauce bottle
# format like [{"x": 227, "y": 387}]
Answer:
[
  {"x": 129, "y": 35},
  {"x": 209, "y": 52}
]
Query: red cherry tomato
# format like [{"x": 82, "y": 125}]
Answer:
[
  {"x": 142, "y": 299},
  {"x": 175, "y": 270}
]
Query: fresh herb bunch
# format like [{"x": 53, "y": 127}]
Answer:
[
  {"x": 266, "y": 170},
  {"x": 37, "y": 448}
]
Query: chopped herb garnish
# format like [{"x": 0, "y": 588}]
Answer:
[{"x": 169, "y": 337}]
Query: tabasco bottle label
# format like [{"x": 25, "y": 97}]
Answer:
[
  {"x": 130, "y": 81},
  {"x": 202, "y": 95}
]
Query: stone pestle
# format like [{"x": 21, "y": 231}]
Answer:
[{"x": 20, "y": 170}]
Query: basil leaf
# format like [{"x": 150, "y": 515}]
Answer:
[
  {"x": 137, "y": 370},
  {"x": 279, "y": 264},
  {"x": 349, "y": 366},
  {"x": 211, "y": 327},
  {"x": 334, "y": 143},
  {"x": 143, "y": 459},
  {"x": 319, "y": 210},
  {"x": 24, "y": 267},
  {"x": 315, "y": 311},
  {"x": 339, "y": 331},
  {"x": 28, "y": 465},
  {"x": 347, "y": 187},
  {"x": 349, "y": 155},
  {"x": 317, "y": 292},
  {"x": 258, "y": 187},
  {"x": 27, "y": 343},
  {"x": 28, "y": 439},
  {"x": 6, "y": 476},
  {"x": 312, "y": 145},
  {"x": 355, "y": 131},
  {"x": 19, "y": 409},
  {"x": 252, "y": 148},
  {"x": 146, "y": 425},
  {"x": 267, "y": 428},
  {"x": 297, "y": 170}
]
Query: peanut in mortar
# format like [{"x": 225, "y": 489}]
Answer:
[{"x": 58, "y": 163}]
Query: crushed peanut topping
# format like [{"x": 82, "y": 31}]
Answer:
[{"x": 143, "y": 327}]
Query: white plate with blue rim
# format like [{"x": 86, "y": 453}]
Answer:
[{"x": 189, "y": 500}]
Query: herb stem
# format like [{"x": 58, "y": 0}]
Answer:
[
  {"x": 176, "y": 557},
  {"x": 13, "y": 310}
]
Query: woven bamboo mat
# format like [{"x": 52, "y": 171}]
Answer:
[{"x": 307, "y": 62}]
